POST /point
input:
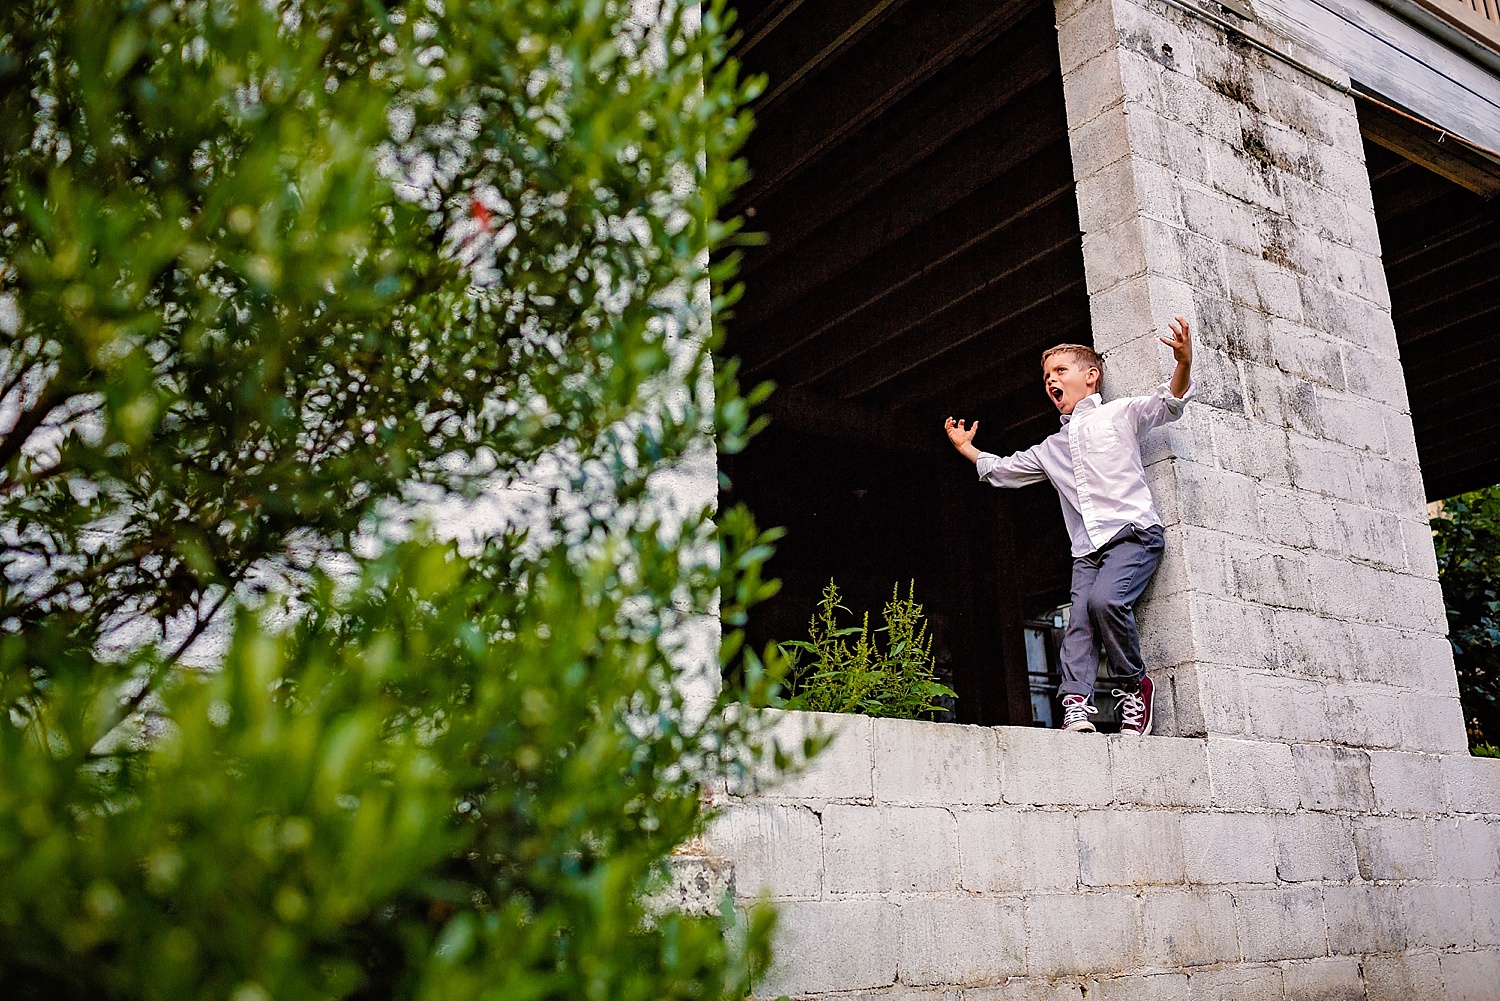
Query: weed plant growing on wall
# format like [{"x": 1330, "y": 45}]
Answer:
[
  {"x": 271, "y": 274},
  {"x": 847, "y": 669}
]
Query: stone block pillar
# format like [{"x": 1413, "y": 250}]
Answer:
[{"x": 1298, "y": 600}]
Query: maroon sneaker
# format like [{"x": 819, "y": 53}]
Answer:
[{"x": 1135, "y": 708}]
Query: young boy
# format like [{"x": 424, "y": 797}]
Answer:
[{"x": 1095, "y": 464}]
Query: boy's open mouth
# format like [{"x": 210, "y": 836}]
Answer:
[{"x": 1057, "y": 393}]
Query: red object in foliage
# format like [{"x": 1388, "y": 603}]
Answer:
[{"x": 480, "y": 213}]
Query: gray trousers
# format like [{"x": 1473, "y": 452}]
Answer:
[{"x": 1106, "y": 585}]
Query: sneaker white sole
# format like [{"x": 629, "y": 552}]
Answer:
[{"x": 1082, "y": 728}]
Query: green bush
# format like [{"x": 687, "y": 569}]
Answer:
[
  {"x": 843, "y": 669},
  {"x": 1467, "y": 537},
  {"x": 270, "y": 273}
]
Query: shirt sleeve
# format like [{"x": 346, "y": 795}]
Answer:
[
  {"x": 1158, "y": 408},
  {"x": 1015, "y": 470}
]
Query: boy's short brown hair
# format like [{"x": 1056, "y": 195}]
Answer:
[{"x": 1081, "y": 353}]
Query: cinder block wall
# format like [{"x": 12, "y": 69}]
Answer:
[
  {"x": 1316, "y": 827},
  {"x": 928, "y": 860}
]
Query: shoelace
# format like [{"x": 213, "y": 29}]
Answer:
[
  {"x": 1132, "y": 707},
  {"x": 1076, "y": 711}
]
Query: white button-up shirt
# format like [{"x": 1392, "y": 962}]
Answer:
[{"x": 1094, "y": 461}]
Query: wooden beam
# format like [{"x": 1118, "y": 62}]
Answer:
[
  {"x": 846, "y": 421},
  {"x": 810, "y": 35},
  {"x": 1481, "y": 301},
  {"x": 1431, "y": 147},
  {"x": 920, "y": 125},
  {"x": 1437, "y": 256},
  {"x": 982, "y": 271},
  {"x": 774, "y": 310},
  {"x": 936, "y": 339},
  {"x": 1471, "y": 349},
  {"x": 1447, "y": 285},
  {"x": 987, "y": 151},
  {"x": 1452, "y": 219},
  {"x": 866, "y": 79}
]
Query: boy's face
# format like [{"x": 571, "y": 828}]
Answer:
[{"x": 1068, "y": 380}]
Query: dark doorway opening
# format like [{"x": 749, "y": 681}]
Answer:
[
  {"x": 1439, "y": 221},
  {"x": 911, "y": 172}
]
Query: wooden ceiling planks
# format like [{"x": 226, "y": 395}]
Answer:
[
  {"x": 1440, "y": 243},
  {"x": 916, "y": 193}
]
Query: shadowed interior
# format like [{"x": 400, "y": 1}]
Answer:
[
  {"x": 912, "y": 176},
  {"x": 1440, "y": 242}
]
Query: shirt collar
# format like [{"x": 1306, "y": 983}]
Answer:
[{"x": 1083, "y": 406}]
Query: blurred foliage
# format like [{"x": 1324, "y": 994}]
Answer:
[
  {"x": 1467, "y": 536},
  {"x": 843, "y": 669},
  {"x": 273, "y": 276}
]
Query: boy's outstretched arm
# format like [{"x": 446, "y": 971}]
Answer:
[
  {"x": 963, "y": 440},
  {"x": 1181, "y": 343}
]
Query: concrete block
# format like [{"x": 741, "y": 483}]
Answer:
[
  {"x": 1436, "y": 916},
  {"x": 1405, "y": 782},
  {"x": 1227, "y": 848},
  {"x": 1159, "y": 771},
  {"x": 1005, "y": 851},
  {"x": 1054, "y": 767},
  {"x": 962, "y": 940},
  {"x": 1232, "y": 632},
  {"x": 1421, "y": 556},
  {"x": 1363, "y": 919},
  {"x": 1471, "y": 976},
  {"x": 1117, "y": 316},
  {"x": 1370, "y": 535},
  {"x": 1314, "y": 846},
  {"x": 1298, "y": 518},
  {"x": 1465, "y": 848},
  {"x": 1404, "y": 977},
  {"x": 1281, "y": 923},
  {"x": 1393, "y": 486},
  {"x": 1282, "y": 708},
  {"x": 1333, "y": 778},
  {"x": 1141, "y": 987},
  {"x": 1128, "y": 848},
  {"x": 844, "y": 769},
  {"x": 1102, "y": 141},
  {"x": 1082, "y": 933},
  {"x": 889, "y": 849},
  {"x": 1252, "y": 775},
  {"x": 1113, "y": 255},
  {"x": 1312, "y": 645},
  {"x": 1403, "y": 657},
  {"x": 1021, "y": 989},
  {"x": 1091, "y": 88},
  {"x": 1336, "y": 979},
  {"x": 1217, "y": 499},
  {"x": 1189, "y": 927},
  {"x": 935, "y": 763},
  {"x": 1472, "y": 784},
  {"x": 777, "y": 850},
  {"x": 1108, "y": 197},
  {"x": 1086, "y": 34},
  {"x": 1374, "y": 375},
  {"x": 1250, "y": 447},
  {"x": 833, "y": 945},
  {"x": 1393, "y": 848},
  {"x": 1433, "y": 723},
  {"x": 1484, "y": 903},
  {"x": 1323, "y": 469},
  {"x": 1363, "y": 715},
  {"x": 1236, "y": 983}
]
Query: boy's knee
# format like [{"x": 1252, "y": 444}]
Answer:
[{"x": 1109, "y": 606}]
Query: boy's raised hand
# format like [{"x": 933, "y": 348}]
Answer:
[
  {"x": 1181, "y": 341},
  {"x": 963, "y": 439}
]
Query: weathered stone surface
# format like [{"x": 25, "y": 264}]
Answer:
[
  {"x": 1407, "y": 783},
  {"x": 1236, "y": 983},
  {"x": 1362, "y": 919},
  {"x": 1404, "y": 977},
  {"x": 777, "y": 850},
  {"x": 1333, "y": 778},
  {"x": 935, "y": 763},
  {"x": 1252, "y": 775},
  {"x": 1436, "y": 916},
  {"x": 1082, "y": 933},
  {"x": 833, "y": 945},
  {"x": 1281, "y": 923},
  {"x": 1393, "y": 848},
  {"x": 889, "y": 848},
  {"x": 1471, "y": 976},
  {"x": 1324, "y": 980},
  {"x": 1228, "y": 848},
  {"x": 1472, "y": 784},
  {"x": 1007, "y": 851},
  {"x": 1148, "y": 987},
  {"x": 1314, "y": 846},
  {"x": 1186, "y": 928},
  {"x": 1054, "y": 767},
  {"x": 1160, "y": 771},
  {"x": 844, "y": 768},
  {"x": 961, "y": 940},
  {"x": 1129, "y": 848}
]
